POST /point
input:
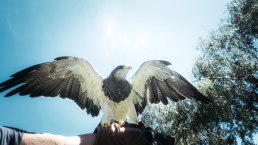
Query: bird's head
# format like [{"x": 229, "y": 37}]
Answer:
[{"x": 120, "y": 71}]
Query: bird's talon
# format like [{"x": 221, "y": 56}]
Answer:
[
  {"x": 120, "y": 123},
  {"x": 105, "y": 125}
]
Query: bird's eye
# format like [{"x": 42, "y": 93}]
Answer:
[{"x": 120, "y": 67}]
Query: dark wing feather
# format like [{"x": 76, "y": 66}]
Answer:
[
  {"x": 152, "y": 93},
  {"x": 185, "y": 88},
  {"x": 67, "y": 77},
  {"x": 167, "y": 92},
  {"x": 139, "y": 107},
  {"x": 157, "y": 91},
  {"x": 156, "y": 82}
]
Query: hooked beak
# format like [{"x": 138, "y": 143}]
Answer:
[{"x": 128, "y": 67}]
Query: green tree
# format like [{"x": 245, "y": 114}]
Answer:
[{"x": 227, "y": 72}]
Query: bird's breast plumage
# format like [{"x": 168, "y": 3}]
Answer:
[{"x": 116, "y": 89}]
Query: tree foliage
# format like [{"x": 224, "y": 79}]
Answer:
[{"x": 227, "y": 72}]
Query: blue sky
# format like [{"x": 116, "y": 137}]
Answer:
[{"x": 106, "y": 33}]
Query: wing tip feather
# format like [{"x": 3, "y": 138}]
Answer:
[
  {"x": 203, "y": 98},
  {"x": 62, "y": 57},
  {"x": 167, "y": 63}
]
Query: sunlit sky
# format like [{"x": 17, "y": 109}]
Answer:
[{"x": 107, "y": 33}]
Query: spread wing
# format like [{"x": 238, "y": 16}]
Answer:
[
  {"x": 67, "y": 77},
  {"x": 155, "y": 82}
]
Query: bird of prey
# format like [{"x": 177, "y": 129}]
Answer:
[{"x": 119, "y": 99}]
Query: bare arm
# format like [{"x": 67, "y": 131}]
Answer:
[
  {"x": 127, "y": 134},
  {"x": 51, "y": 139}
]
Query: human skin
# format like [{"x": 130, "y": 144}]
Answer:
[
  {"x": 113, "y": 134},
  {"x": 51, "y": 139}
]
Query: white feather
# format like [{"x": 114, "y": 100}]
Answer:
[
  {"x": 89, "y": 79},
  {"x": 146, "y": 71}
]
